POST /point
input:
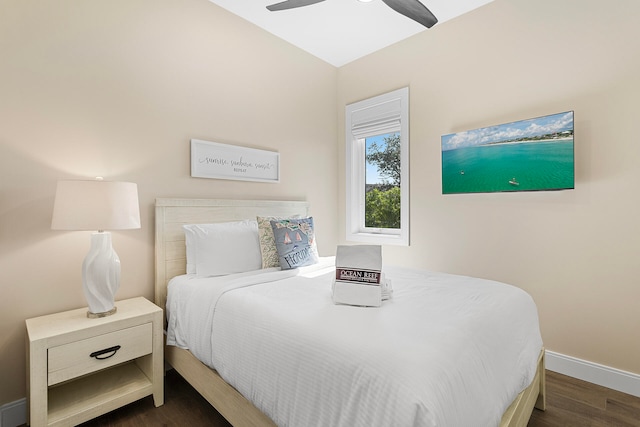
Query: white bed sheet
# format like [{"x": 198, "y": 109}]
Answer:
[{"x": 446, "y": 350}]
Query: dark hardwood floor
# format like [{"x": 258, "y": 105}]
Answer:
[{"x": 570, "y": 402}]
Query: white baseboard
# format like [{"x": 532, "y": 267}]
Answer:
[
  {"x": 13, "y": 414},
  {"x": 595, "y": 373}
]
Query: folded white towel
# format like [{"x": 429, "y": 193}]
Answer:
[
  {"x": 387, "y": 289},
  {"x": 356, "y": 294},
  {"x": 359, "y": 277},
  {"x": 364, "y": 257}
]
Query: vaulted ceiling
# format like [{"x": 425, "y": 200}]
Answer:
[{"x": 340, "y": 31}]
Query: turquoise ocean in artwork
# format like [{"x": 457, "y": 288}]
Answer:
[{"x": 519, "y": 166}]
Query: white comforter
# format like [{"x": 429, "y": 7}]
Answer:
[{"x": 446, "y": 351}]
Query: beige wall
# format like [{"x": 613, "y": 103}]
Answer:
[
  {"x": 118, "y": 88},
  {"x": 576, "y": 252}
]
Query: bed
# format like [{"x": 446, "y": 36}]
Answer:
[{"x": 171, "y": 215}]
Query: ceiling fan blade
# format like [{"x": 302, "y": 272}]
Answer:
[
  {"x": 413, "y": 9},
  {"x": 290, "y": 4}
]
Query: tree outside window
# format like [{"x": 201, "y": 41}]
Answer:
[{"x": 382, "y": 188}]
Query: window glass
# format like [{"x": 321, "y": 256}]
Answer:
[{"x": 382, "y": 181}]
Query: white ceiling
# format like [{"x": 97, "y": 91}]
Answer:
[{"x": 340, "y": 31}]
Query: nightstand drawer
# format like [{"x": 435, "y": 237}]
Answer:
[{"x": 85, "y": 356}]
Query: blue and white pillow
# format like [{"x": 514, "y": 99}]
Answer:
[{"x": 295, "y": 242}]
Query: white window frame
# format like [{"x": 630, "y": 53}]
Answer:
[{"x": 385, "y": 113}]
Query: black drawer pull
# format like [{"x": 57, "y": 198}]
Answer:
[{"x": 99, "y": 353}]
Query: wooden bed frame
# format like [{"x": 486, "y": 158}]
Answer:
[{"x": 170, "y": 261}]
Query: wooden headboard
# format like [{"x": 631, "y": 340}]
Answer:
[{"x": 171, "y": 214}]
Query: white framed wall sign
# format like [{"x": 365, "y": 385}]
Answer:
[{"x": 224, "y": 161}]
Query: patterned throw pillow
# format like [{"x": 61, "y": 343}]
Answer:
[
  {"x": 295, "y": 242},
  {"x": 268, "y": 249}
]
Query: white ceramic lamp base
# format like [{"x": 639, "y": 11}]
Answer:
[{"x": 101, "y": 276}]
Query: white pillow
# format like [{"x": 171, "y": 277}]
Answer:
[
  {"x": 222, "y": 248},
  {"x": 190, "y": 243}
]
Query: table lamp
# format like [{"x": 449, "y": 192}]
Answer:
[{"x": 97, "y": 205}]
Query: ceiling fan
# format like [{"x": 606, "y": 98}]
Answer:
[{"x": 413, "y": 9}]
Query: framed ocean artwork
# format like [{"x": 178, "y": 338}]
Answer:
[{"x": 528, "y": 155}]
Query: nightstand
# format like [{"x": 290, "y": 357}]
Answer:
[{"x": 79, "y": 368}]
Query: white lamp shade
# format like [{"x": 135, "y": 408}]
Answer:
[{"x": 96, "y": 205}]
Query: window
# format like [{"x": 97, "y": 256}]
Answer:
[{"x": 377, "y": 176}]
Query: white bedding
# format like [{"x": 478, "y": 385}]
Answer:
[{"x": 444, "y": 351}]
